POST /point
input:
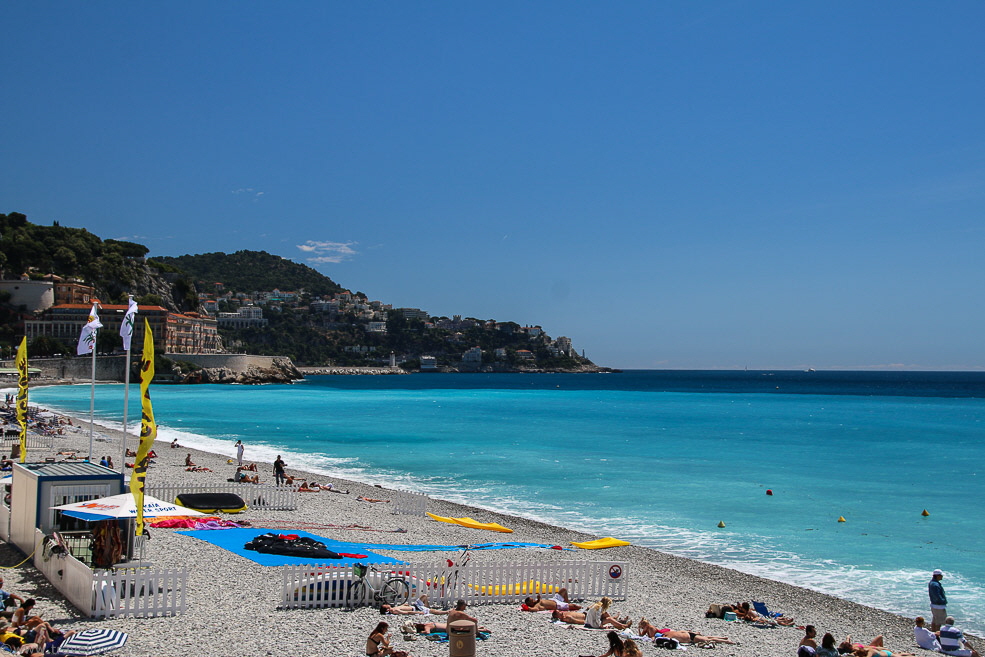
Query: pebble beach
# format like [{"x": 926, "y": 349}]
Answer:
[{"x": 233, "y": 602}]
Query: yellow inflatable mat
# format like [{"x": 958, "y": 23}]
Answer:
[
  {"x": 600, "y": 543},
  {"x": 472, "y": 523},
  {"x": 521, "y": 588}
]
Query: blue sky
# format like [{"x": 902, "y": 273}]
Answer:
[{"x": 670, "y": 184}]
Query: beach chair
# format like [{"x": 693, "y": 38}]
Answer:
[{"x": 763, "y": 611}]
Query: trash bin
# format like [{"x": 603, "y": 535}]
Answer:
[{"x": 461, "y": 639}]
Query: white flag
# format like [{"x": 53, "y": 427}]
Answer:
[
  {"x": 87, "y": 341},
  {"x": 126, "y": 328}
]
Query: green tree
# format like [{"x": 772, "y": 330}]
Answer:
[{"x": 45, "y": 345}]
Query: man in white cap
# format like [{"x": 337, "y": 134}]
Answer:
[{"x": 938, "y": 601}]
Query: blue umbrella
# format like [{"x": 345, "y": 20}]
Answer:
[{"x": 93, "y": 642}]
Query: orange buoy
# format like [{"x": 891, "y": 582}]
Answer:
[
  {"x": 925, "y": 513},
  {"x": 842, "y": 519}
]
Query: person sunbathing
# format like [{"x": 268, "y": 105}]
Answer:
[
  {"x": 369, "y": 499},
  {"x": 420, "y": 606},
  {"x": 174, "y": 444},
  {"x": 188, "y": 461},
  {"x": 378, "y": 642},
  {"x": 569, "y": 617},
  {"x": 744, "y": 611},
  {"x": 874, "y": 649},
  {"x": 242, "y": 477},
  {"x": 557, "y": 601},
  {"x": 648, "y": 629},
  {"x": 305, "y": 487},
  {"x": 198, "y": 468},
  {"x": 580, "y": 618},
  {"x": 597, "y": 616}
]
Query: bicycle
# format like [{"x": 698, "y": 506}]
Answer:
[{"x": 393, "y": 590}]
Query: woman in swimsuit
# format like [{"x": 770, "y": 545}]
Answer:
[
  {"x": 597, "y": 616},
  {"x": 874, "y": 649},
  {"x": 630, "y": 649},
  {"x": 378, "y": 642},
  {"x": 648, "y": 629}
]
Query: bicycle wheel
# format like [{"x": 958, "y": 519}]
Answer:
[
  {"x": 358, "y": 593},
  {"x": 394, "y": 591}
]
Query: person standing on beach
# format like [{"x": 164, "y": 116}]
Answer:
[
  {"x": 938, "y": 601},
  {"x": 239, "y": 452},
  {"x": 279, "y": 471}
]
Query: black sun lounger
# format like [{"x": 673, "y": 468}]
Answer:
[{"x": 212, "y": 502}]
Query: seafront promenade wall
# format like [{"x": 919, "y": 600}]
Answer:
[{"x": 112, "y": 368}]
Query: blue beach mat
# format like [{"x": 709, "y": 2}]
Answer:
[
  {"x": 233, "y": 540},
  {"x": 359, "y": 547}
]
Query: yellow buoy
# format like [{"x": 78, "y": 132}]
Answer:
[
  {"x": 721, "y": 523},
  {"x": 841, "y": 519},
  {"x": 925, "y": 512}
]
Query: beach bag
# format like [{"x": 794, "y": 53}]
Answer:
[
  {"x": 666, "y": 642},
  {"x": 715, "y": 611}
]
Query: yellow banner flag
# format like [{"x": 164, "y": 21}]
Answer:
[
  {"x": 148, "y": 428},
  {"x": 22, "y": 395}
]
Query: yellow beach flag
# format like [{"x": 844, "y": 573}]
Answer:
[
  {"x": 22, "y": 395},
  {"x": 148, "y": 428}
]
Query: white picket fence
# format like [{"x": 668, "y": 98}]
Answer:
[
  {"x": 34, "y": 440},
  {"x": 139, "y": 592},
  {"x": 256, "y": 496},
  {"x": 408, "y": 503},
  {"x": 328, "y": 586},
  {"x": 135, "y": 591}
]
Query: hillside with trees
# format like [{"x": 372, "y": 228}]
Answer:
[
  {"x": 305, "y": 315},
  {"x": 248, "y": 271}
]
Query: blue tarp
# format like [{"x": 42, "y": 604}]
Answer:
[{"x": 234, "y": 540}]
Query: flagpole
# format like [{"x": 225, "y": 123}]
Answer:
[
  {"x": 126, "y": 333},
  {"x": 126, "y": 408},
  {"x": 92, "y": 400}
]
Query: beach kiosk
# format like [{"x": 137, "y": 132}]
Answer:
[
  {"x": 36, "y": 487},
  {"x": 68, "y": 550}
]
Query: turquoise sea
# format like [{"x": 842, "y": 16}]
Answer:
[{"x": 655, "y": 457}]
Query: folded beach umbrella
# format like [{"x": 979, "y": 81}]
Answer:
[
  {"x": 123, "y": 506},
  {"x": 93, "y": 642}
]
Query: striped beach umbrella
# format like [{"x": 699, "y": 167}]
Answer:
[{"x": 93, "y": 642}]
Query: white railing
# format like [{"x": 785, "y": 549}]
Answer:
[
  {"x": 256, "y": 496},
  {"x": 130, "y": 590},
  {"x": 34, "y": 440},
  {"x": 408, "y": 503},
  {"x": 328, "y": 586}
]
